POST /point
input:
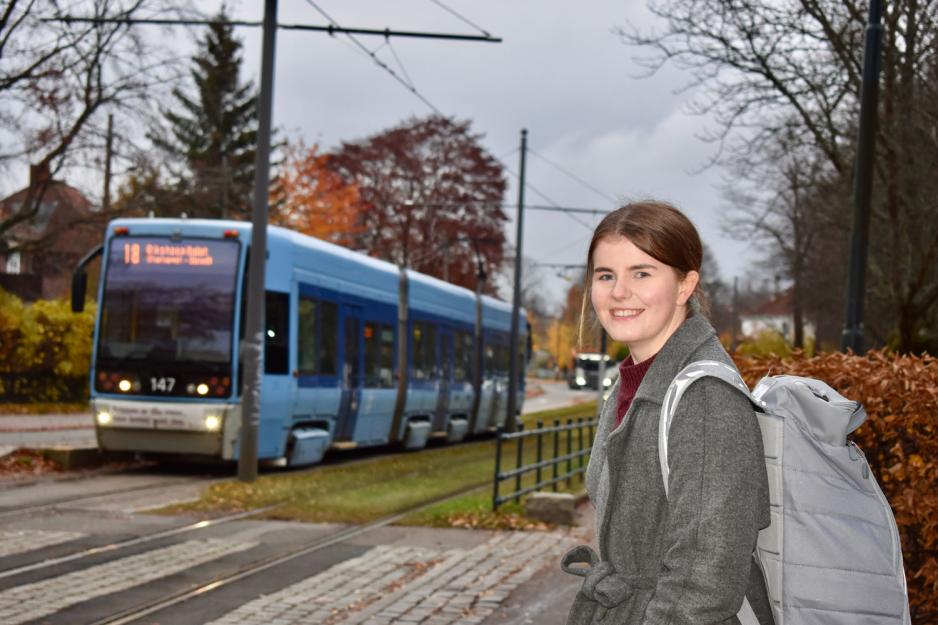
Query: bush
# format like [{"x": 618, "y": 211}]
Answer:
[
  {"x": 772, "y": 343},
  {"x": 900, "y": 394},
  {"x": 45, "y": 349}
]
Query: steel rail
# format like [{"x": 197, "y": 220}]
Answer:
[
  {"x": 145, "y": 609},
  {"x": 139, "y": 540}
]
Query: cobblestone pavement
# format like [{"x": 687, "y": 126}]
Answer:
[
  {"x": 21, "y": 541},
  {"x": 39, "y": 599},
  {"x": 408, "y": 585}
]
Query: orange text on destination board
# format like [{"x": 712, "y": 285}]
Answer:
[{"x": 160, "y": 254}]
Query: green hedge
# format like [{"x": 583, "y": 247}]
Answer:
[{"x": 45, "y": 349}]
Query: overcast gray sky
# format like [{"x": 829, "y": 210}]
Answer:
[{"x": 560, "y": 72}]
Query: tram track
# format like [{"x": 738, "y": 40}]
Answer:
[
  {"x": 129, "y": 615},
  {"x": 132, "y": 542}
]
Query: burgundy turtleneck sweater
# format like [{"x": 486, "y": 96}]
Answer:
[{"x": 630, "y": 376}]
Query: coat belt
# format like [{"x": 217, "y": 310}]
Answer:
[{"x": 602, "y": 584}]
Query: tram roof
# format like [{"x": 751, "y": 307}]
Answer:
[{"x": 424, "y": 288}]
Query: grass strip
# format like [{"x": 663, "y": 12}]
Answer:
[{"x": 364, "y": 491}]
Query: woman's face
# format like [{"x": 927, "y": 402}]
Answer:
[{"x": 639, "y": 300}]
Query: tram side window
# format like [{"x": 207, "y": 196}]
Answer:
[
  {"x": 429, "y": 356},
  {"x": 459, "y": 357},
  {"x": 277, "y": 339},
  {"x": 417, "y": 351},
  {"x": 469, "y": 343},
  {"x": 464, "y": 356},
  {"x": 386, "y": 360},
  {"x": 306, "y": 337},
  {"x": 424, "y": 357},
  {"x": 328, "y": 335},
  {"x": 372, "y": 332},
  {"x": 502, "y": 355},
  {"x": 379, "y": 355},
  {"x": 489, "y": 362}
]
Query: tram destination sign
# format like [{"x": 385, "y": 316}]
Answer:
[{"x": 163, "y": 254}]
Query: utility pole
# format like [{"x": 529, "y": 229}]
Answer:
[
  {"x": 254, "y": 325},
  {"x": 108, "y": 155},
  {"x": 446, "y": 260},
  {"x": 863, "y": 182},
  {"x": 513, "y": 367}
]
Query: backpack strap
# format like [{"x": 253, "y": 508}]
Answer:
[{"x": 679, "y": 385}]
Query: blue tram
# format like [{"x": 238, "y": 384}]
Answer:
[{"x": 358, "y": 352}]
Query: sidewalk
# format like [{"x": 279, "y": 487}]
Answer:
[
  {"x": 46, "y": 430},
  {"x": 545, "y": 599},
  {"x": 45, "y": 422}
]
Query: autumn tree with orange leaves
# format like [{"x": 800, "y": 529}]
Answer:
[{"x": 309, "y": 197}]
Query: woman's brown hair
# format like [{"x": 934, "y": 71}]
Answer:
[{"x": 661, "y": 231}]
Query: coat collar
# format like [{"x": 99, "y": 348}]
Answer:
[{"x": 694, "y": 332}]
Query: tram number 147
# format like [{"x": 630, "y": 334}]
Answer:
[{"x": 162, "y": 385}]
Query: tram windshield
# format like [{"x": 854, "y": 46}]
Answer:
[{"x": 168, "y": 301}]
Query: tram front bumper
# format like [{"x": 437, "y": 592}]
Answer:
[{"x": 176, "y": 428}]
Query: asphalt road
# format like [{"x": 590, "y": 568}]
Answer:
[{"x": 556, "y": 395}]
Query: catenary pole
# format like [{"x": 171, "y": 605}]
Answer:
[
  {"x": 254, "y": 325},
  {"x": 108, "y": 157},
  {"x": 513, "y": 367},
  {"x": 863, "y": 182}
]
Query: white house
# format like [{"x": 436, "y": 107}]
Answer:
[{"x": 774, "y": 314}]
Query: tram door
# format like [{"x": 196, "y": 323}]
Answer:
[
  {"x": 446, "y": 375},
  {"x": 351, "y": 373}
]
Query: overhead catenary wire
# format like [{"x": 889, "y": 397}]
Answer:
[
  {"x": 400, "y": 63},
  {"x": 461, "y": 17},
  {"x": 407, "y": 85},
  {"x": 573, "y": 176},
  {"x": 556, "y": 206},
  {"x": 332, "y": 29}
]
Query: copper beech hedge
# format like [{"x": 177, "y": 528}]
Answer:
[{"x": 900, "y": 394}]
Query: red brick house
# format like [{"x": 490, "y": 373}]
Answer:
[{"x": 66, "y": 226}]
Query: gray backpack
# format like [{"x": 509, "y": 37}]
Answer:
[{"x": 831, "y": 555}]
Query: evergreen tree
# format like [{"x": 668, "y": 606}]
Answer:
[{"x": 213, "y": 135}]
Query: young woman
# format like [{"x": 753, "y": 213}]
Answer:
[{"x": 685, "y": 557}]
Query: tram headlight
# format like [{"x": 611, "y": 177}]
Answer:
[
  {"x": 104, "y": 418},
  {"x": 202, "y": 389},
  {"x": 212, "y": 423},
  {"x": 125, "y": 385},
  {"x": 607, "y": 382},
  {"x": 581, "y": 380}
]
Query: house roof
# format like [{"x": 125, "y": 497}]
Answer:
[
  {"x": 57, "y": 196},
  {"x": 779, "y": 304}
]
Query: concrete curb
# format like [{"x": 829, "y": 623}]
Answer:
[
  {"x": 83, "y": 457},
  {"x": 556, "y": 508}
]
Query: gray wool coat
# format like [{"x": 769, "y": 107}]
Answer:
[{"x": 685, "y": 558}]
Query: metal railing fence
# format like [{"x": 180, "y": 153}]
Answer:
[{"x": 560, "y": 438}]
